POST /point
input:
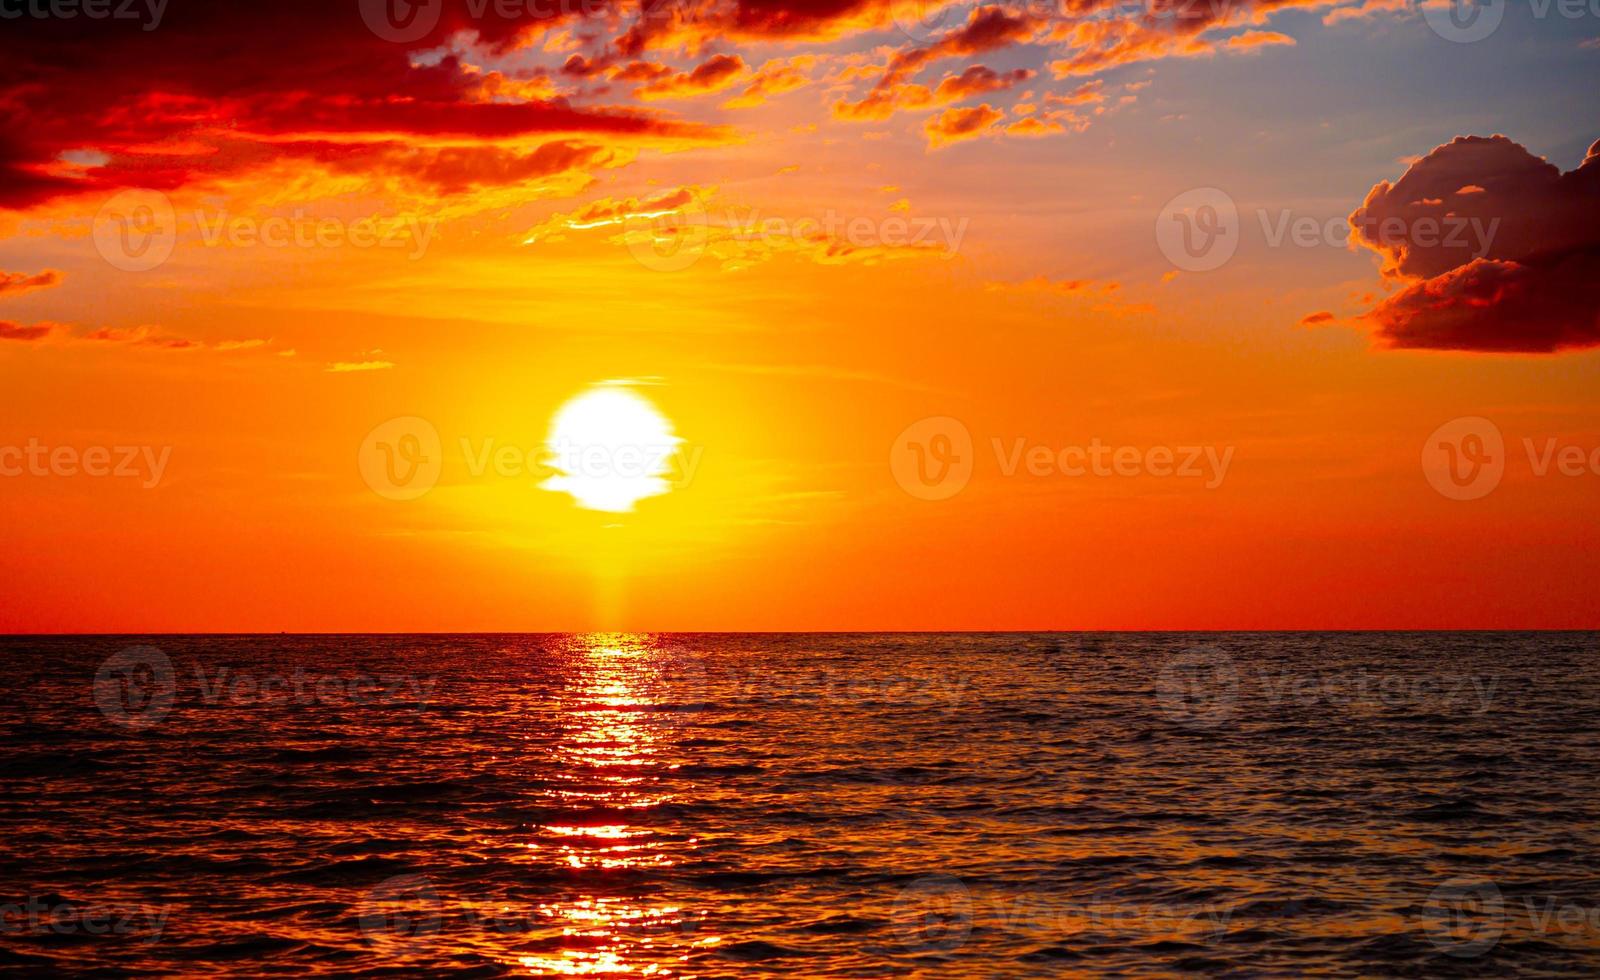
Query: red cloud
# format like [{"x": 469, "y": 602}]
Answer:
[
  {"x": 775, "y": 78},
  {"x": 90, "y": 105},
  {"x": 713, "y": 75},
  {"x": 987, "y": 29},
  {"x": 97, "y": 104},
  {"x": 954, "y": 125},
  {"x": 16, "y": 331},
  {"x": 1498, "y": 250},
  {"x": 21, "y": 282},
  {"x": 978, "y": 80}
]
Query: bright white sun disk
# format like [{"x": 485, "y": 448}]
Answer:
[{"x": 610, "y": 448}]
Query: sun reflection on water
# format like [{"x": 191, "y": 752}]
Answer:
[{"x": 611, "y": 761}]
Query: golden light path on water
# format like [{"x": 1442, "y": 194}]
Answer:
[{"x": 612, "y": 761}]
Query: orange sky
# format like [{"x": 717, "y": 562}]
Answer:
[{"x": 794, "y": 287}]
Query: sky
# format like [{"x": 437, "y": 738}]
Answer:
[{"x": 860, "y": 315}]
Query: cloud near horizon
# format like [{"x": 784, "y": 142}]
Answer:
[{"x": 16, "y": 283}]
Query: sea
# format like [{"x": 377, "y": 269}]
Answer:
[{"x": 806, "y": 805}]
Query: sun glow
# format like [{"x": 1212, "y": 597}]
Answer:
[{"x": 611, "y": 448}]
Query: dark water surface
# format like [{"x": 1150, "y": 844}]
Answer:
[{"x": 821, "y": 806}]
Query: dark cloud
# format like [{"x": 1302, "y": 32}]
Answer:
[
  {"x": 90, "y": 105},
  {"x": 16, "y": 331},
  {"x": 1497, "y": 250}
]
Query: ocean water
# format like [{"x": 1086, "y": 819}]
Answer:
[{"x": 969, "y": 805}]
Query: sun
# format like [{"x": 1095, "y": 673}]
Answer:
[{"x": 611, "y": 447}]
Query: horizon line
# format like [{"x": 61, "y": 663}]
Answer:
[{"x": 805, "y": 632}]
